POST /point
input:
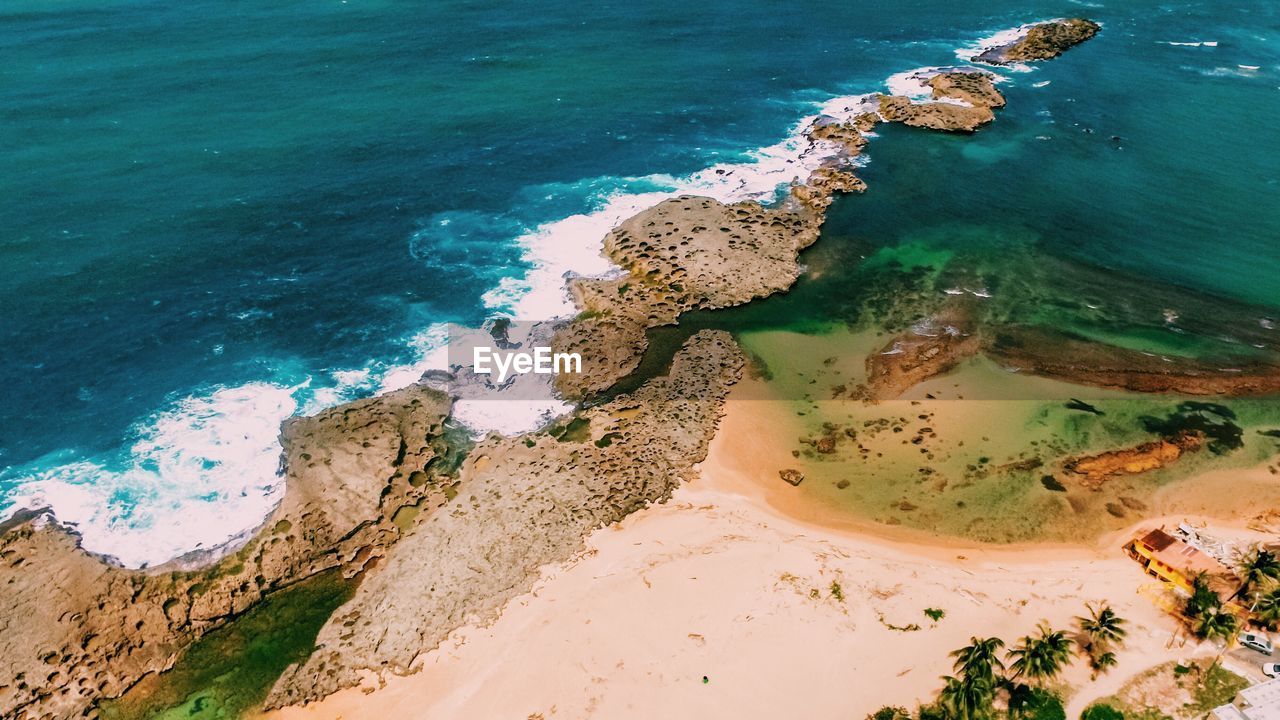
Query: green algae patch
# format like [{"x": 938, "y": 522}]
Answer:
[
  {"x": 405, "y": 515},
  {"x": 576, "y": 430},
  {"x": 228, "y": 673}
]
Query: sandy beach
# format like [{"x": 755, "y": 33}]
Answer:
[{"x": 782, "y": 615}]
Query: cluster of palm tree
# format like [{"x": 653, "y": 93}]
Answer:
[
  {"x": 1259, "y": 591},
  {"x": 1259, "y": 571},
  {"x": 981, "y": 675},
  {"x": 1100, "y": 631},
  {"x": 1209, "y": 619}
]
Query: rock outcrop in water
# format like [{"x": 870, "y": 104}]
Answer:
[
  {"x": 1061, "y": 356},
  {"x": 523, "y": 502},
  {"x": 1094, "y": 470},
  {"x": 962, "y": 101},
  {"x": 76, "y": 628},
  {"x": 1042, "y": 41}
]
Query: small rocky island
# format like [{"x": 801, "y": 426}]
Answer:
[{"x": 1041, "y": 41}]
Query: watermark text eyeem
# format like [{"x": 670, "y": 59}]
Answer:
[{"x": 541, "y": 361}]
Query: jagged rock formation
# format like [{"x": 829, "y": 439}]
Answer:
[
  {"x": 523, "y": 502},
  {"x": 976, "y": 88},
  {"x": 914, "y": 356},
  {"x": 75, "y": 628},
  {"x": 1042, "y": 41}
]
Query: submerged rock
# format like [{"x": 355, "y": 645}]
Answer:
[{"x": 791, "y": 476}]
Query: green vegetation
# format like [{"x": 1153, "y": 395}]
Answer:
[
  {"x": 228, "y": 672},
  {"x": 837, "y": 592},
  {"x": 1218, "y": 687},
  {"x": 935, "y": 614},
  {"x": 1267, "y": 605},
  {"x": 890, "y": 712},
  {"x": 1101, "y": 711},
  {"x": 984, "y": 673},
  {"x": 1171, "y": 691},
  {"x": 1256, "y": 566},
  {"x": 1209, "y": 619},
  {"x": 1040, "y": 657},
  {"x": 1035, "y": 704},
  {"x": 576, "y": 430}
]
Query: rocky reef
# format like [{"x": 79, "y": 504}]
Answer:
[
  {"x": 914, "y": 356},
  {"x": 77, "y": 628},
  {"x": 523, "y": 502},
  {"x": 1042, "y": 41}
]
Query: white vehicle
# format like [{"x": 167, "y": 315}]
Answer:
[
  {"x": 1271, "y": 670},
  {"x": 1258, "y": 642}
]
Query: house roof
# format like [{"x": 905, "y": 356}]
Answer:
[
  {"x": 1177, "y": 554},
  {"x": 1158, "y": 540}
]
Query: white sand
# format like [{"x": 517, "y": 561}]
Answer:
[{"x": 718, "y": 582}]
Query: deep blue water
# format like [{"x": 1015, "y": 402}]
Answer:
[{"x": 210, "y": 208}]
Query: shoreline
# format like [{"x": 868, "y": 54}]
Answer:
[
  {"x": 627, "y": 627},
  {"x": 517, "y": 493}
]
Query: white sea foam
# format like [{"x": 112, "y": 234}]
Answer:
[
  {"x": 573, "y": 246},
  {"x": 200, "y": 472}
]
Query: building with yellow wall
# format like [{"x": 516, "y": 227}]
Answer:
[{"x": 1174, "y": 561}]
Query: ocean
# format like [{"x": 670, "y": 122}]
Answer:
[{"x": 219, "y": 215}]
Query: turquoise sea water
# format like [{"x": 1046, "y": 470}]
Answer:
[{"x": 218, "y": 214}]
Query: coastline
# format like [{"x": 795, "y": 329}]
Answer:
[{"x": 398, "y": 627}]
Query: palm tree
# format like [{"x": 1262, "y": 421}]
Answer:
[
  {"x": 1216, "y": 623},
  {"x": 1041, "y": 658},
  {"x": 1103, "y": 662},
  {"x": 1267, "y": 606},
  {"x": 1256, "y": 566},
  {"x": 966, "y": 698},
  {"x": 1203, "y": 599},
  {"x": 1103, "y": 627},
  {"x": 978, "y": 660}
]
